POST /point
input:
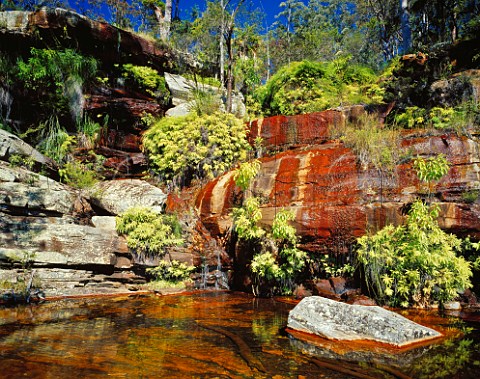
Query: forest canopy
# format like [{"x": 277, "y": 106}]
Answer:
[{"x": 236, "y": 36}]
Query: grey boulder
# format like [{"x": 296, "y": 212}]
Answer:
[{"x": 340, "y": 321}]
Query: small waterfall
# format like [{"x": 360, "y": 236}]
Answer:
[
  {"x": 212, "y": 276},
  {"x": 221, "y": 281},
  {"x": 204, "y": 274},
  {"x": 74, "y": 93},
  {"x": 6, "y": 101}
]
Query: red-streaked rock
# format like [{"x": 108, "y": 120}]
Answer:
[{"x": 333, "y": 198}]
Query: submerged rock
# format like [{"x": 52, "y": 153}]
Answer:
[{"x": 339, "y": 321}]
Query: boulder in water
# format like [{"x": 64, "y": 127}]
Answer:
[{"x": 339, "y": 321}]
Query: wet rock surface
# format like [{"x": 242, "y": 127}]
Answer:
[
  {"x": 335, "y": 199},
  {"x": 339, "y": 321}
]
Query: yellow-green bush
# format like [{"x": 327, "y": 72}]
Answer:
[
  {"x": 415, "y": 263},
  {"x": 147, "y": 80},
  {"x": 184, "y": 148},
  {"x": 148, "y": 232},
  {"x": 304, "y": 87}
]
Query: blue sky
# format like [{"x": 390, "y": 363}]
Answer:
[{"x": 270, "y": 7}]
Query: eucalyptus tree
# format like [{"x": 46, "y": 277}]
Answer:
[
  {"x": 288, "y": 20},
  {"x": 383, "y": 18},
  {"x": 163, "y": 14},
  {"x": 437, "y": 20},
  {"x": 215, "y": 34}
]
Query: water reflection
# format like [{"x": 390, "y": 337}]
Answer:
[{"x": 208, "y": 335}]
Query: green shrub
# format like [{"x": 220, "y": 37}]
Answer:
[
  {"x": 205, "y": 102},
  {"x": 412, "y": 117},
  {"x": 246, "y": 220},
  {"x": 53, "y": 80},
  {"x": 304, "y": 87},
  {"x": 48, "y": 69},
  {"x": 78, "y": 175},
  {"x": 17, "y": 160},
  {"x": 147, "y": 232},
  {"x": 415, "y": 263},
  {"x": 264, "y": 266},
  {"x": 55, "y": 142},
  {"x": 147, "y": 80},
  {"x": 278, "y": 268},
  {"x": 458, "y": 119},
  {"x": 373, "y": 144},
  {"x": 246, "y": 173},
  {"x": 184, "y": 148},
  {"x": 471, "y": 196},
  {"x": 89, "y": 132},
  {"x": 431, "y": 169},
  {"x": 173, "y": 272}
]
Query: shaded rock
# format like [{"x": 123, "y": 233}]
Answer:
[
  {"x": 123, "y": 262},
  {"x": 339, "y": 284},
  {"x": 461, "y": 87},
  {"x": 121, "y": 164},
  {"x": 323, "y": 287},
  {"x": 300, "y": 292},
  {"x": 334, "y": 320},
  {"x": 12, "y": 145},
  {"x": 129, "y": 109},
  {"x": 355, "y": 298},
  {"x": 51, "y": 26},
  {"x": 469, "y": 297},
  {"x": 117, "y": 196}
]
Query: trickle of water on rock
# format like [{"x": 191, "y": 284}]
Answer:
[
  {"x": 6, "y": 101},
  {"x": 74, "y": 93}
]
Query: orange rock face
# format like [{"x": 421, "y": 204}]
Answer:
[{"x": 334, "y": 199}]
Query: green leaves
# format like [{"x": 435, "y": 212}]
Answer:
[
  {"x": 431, "y": 169},
  {"x": 415, "y": 263},
  {"x": 148, "y": 232},
  {"x": 281, "y": 265},
  {"x": 246, "y": 173},
  {"x": 172, "y": 272},
  {"x": 184, "y": 148},
  {"x": 48, "y": 68},
  {"x": 303, "y": 87},
  {"x": 147, "y": 80},
  {"x": 246, "y": 219}
]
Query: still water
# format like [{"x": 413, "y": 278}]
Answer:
[{"x": 205, "y": 335}]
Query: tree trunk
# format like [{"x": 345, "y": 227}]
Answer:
[
  {"x": 405, "y": 24},
  {"x": 164, "y": 20},
  {"x": 222, "y": 48},
  {"x": 229, "y": 70},
  {"x": 228, "y": 29}
]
